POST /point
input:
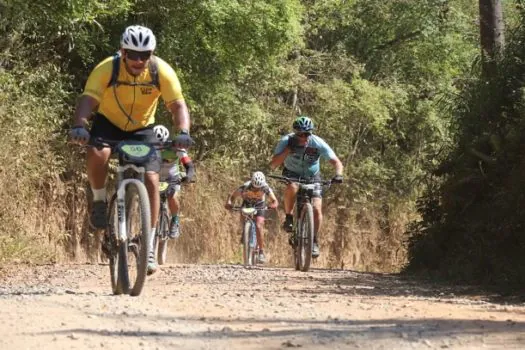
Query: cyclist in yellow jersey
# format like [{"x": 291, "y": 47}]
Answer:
[{"x": 124, "y": 108}]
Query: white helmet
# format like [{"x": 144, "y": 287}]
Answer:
[
  {"x": 258, "y": 179},
  {"x": 138, "y": 38},
  {"x": 161, "y": 133}
]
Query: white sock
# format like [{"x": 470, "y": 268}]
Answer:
[
  {"x": 151, "y": 248},
  {"x": 99, "y": 195}
]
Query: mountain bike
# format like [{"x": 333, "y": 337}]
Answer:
[
  {"x": 250, "y": 246},
  {"x": 303, "y": 219},
  {"x": 160, "y": 243},
  {"x": 163, "y": 226},
  {"x": 127, "y": 237}
]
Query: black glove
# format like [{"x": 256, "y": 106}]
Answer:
[
  {"x": 79, "y": 135},
  {"x": 182, "y": 140},
  {"x": 190, "y": 173},
  {"x": 337, "y": 179}
]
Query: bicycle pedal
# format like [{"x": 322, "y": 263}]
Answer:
[
  {"x": 106, "y": 250},
  {"x": 107, "y": 246}
]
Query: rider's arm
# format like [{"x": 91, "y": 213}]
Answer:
[
  {"x": 180, "y": 114},
  {"x": 280, "y": 153},
  {"x": 171, "y": 91},
  {"x": 278, "y": 159},
  {"x": 274, "y": 203},
  {"x": 233, "y": 196},
  {"x": 338, "y": 165},
  {"x": 184, "y": 158},
  {"x": 187, "y": 163},
  {"x": 328, "y": 153},
  {"x": 94, "y": 89},
  {"x": 85, "y": 106}
]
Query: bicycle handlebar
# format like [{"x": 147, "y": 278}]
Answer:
[
  {"x": 100, "y": 142},
  {"x": 300, "y": 180},
  {"x": 240, "y": 208}
]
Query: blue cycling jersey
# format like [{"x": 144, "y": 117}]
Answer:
[{"x": 304, "y": 160}]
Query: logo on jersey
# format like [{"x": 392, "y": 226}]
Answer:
[
  {"x": 146, "y": 90},
  {"x": 253, "y": 195},
  {"x": 311, "y": 154}
]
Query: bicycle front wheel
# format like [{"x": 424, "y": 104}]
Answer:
[
  {"x": 133, "y": 257},
  {"x": 305, "y": 239},
  {"x": 246, "y": 251}
]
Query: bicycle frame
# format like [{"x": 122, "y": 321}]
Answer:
[
  {"x": 304, "y": 195},
  {"x": 122, "y": 181},
  {"x": 130, "y": 189},
  {"x": 249, "y": 215},
  {"x": 305, "y": 192},
  {"x": 303, "y": 239},
  {"x": 163, "y": 209}
]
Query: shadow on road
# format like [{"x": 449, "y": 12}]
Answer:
[{"x": 214, "y": 328}]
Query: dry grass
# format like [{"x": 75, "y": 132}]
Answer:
[
  {"x": 349, "y": 239},
  {"x": 53, "y": 227}
]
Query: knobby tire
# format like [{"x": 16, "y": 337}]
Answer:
[{"x": 136, "y": 194}]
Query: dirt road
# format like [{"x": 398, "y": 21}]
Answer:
[{"x": 230, "y": 307}]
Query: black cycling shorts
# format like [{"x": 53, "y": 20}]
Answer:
[
  {"x": 318, "y": 191},
  {"x": 102, "y": 127}
]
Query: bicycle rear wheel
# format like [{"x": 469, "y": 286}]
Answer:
[
  {"x": 162, "y": 237},
  {"x": 133, "y": 256},
  {"x": 305, "y": 239}
]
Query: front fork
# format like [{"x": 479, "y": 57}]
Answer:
[
  {"x": 121, "y": 209},
  {"x": 298, "y": 206},
  {"x": 253, "y": 234},
  {"x": 121, "y": 197}
]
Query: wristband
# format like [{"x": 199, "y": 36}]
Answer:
[{"x": 185, "y": 160}]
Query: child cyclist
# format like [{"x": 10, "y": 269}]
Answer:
[
  {"x": 169, "y": 172},
  {"x": 253, "y": 194}
]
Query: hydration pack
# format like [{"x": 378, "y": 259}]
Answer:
[{"x": 152, "y": 67}]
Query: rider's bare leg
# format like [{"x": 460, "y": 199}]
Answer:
[
  {"x": 317, "y": 204},
  {"x": 260, "y": 231},
  {"x": 289, "y": 198},
  {"x": 174, "y": 203},
  {"x": 152, "y": 185},
  {"x": 97, "y": 167}
]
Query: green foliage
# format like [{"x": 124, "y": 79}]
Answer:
[
  {"x": 32, "y": 157},
  {"x": 374, "y": 75},
  {"x": 397, "y": 40},
  {"x": 472, "y": 224}
]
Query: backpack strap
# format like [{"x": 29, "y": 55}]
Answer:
[
  {"x": 116, "y": 70},
  {"x": 152, "y": 66},
  {"x": 154, "y": 71}
]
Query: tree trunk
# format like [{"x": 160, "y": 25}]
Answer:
[{"x": 491, "y": 34}]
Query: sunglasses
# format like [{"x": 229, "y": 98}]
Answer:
[
  {"x": 303, "y": 134},
  {"x": 138, "y": 55}
]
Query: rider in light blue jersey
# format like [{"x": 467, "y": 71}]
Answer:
[{"x": 300, "y": 153}]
